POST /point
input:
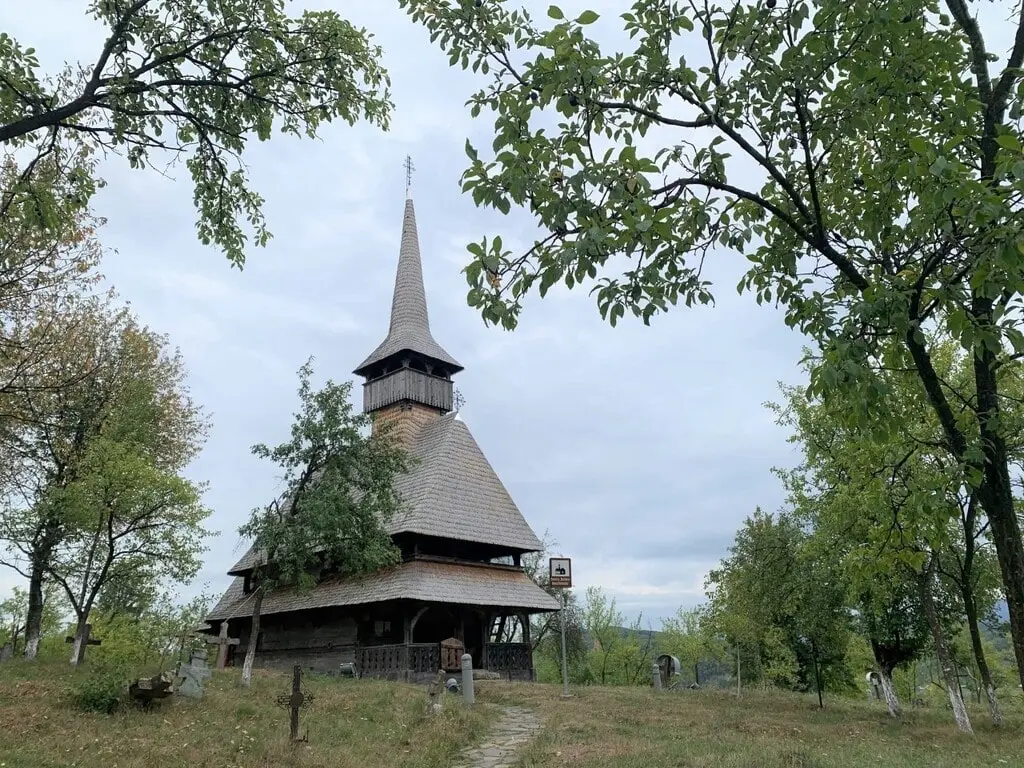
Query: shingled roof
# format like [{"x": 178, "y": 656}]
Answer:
[
  {"x": 410, "y": 325},
  {"x": 452, "y": 492},
  {"x": 429, "y": 581}
]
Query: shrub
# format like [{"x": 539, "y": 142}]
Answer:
[{"x": 103, "y": 688}]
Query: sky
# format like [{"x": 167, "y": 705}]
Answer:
[{"x": 639, "y": 450}]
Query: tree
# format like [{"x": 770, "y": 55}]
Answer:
[
  {"x": 882, "y": 172},
  {"x": 339, "y": 494},
  {"x": 924, "y": 512},
  {"x": 94, "y": 480},
  {"x": 779, "y": 594},
  {"x": 196, "y": 80},
  {"x": 127, "y": 513},
  {"x": 48, "y": 258}
]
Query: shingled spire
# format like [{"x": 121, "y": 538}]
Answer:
[{"x": 410, "y": 325}]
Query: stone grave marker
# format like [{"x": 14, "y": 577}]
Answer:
[
  {"x": 6, "y": 652},
  {"x": 192, "y": 675}
]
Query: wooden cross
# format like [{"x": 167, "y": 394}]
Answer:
[
  {"x": 86, "y": 640},
  {"x": 224, "y": 642},
  {"x": 295, "y": 701}
]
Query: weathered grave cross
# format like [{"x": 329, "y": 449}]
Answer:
[
  {"x": 224, "y": 642},
  {"x": 295, "y": 700},
  {"x": 86, "y": 640}
]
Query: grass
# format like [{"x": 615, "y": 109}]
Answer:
[
  {"x": 349, "y": 724},
  {"x": 369, "y": 724},
  {"x": 626, "y": 727}
]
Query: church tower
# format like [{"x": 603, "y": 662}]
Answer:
[{"x": 409, "y": 375}]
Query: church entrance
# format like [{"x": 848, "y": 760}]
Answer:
[{"x": 440, "y": 623}]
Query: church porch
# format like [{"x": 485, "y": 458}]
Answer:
[{"x": 422, "y": 638}]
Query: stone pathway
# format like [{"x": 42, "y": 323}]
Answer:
[{"x": 516, "y": 728}]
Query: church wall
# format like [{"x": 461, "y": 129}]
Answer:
[
  {"x": 407, "y": 419},
  {"x": 318, "y": 643}
]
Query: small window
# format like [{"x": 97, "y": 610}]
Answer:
[{"x": 381, "y": 628}]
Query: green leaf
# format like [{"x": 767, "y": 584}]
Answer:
[
  {"x": 555, "y": 12},
  {"x": 1009, "y": 141},
  {"x": 587, "y": 17}
]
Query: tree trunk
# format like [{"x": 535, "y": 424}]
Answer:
[
  {"x": 942, "y": 653},
  {"x": 817, "y": 675},
  {"x": 254, "y": 635},
  {"x": 892, "y": 701},
  {"x": 34, "y": 619},
  {"x": 739, "y": 683},
  {"x": 984, "y": 673},
  {"x": 79, "y": 645},
  {"x": 995, "y": 492}
]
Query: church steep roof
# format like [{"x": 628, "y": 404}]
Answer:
[
  {"x": 424, "y": 580},
  {"x": 452, "y": 492},
  {"x": 410, "y": 325}
]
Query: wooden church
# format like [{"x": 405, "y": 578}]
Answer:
[{"x": 461, "y": 536}]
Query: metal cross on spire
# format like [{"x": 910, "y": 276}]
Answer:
[{"x": 409, "y": 168}]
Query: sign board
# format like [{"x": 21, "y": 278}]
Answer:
[{"x": 560, "y": 571}]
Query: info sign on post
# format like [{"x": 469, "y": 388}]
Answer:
[
  {"x": 560, "y": 572},
  {"x": 560, "y": 575}
]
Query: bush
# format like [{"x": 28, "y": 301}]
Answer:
[{"x": 103, "y": 688}]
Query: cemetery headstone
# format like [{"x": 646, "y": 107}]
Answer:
[
  {"x": 86, "y": 641},
  {"x": 191, "y": 676},
  {"x": 434, "y": 691},
  {"x": 670, "y": 668},
  {"x": 223, "y": 643},
  {"x": 6, "y": 652},
  {"x": 146, "y": 690},
  {"x": 874, "y": 686},
  {"x": 656, "y": 676},
  {"x": 295, "y": 701}
]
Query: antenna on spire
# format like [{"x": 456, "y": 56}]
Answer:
[{"x": 409, "y": 168}]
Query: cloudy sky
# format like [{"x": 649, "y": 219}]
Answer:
[{"x": 638, "y": 449}]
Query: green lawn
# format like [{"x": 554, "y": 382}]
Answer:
[
  {"x": 349, "y": 724},
  {"x": 368, "y": 724},
  {"x": 626, "y": 727}
]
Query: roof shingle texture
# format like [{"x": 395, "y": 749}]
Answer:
[
  {"x": 427, "y": 581},
  {"x": 452, "y": 492},
  {"x": 410, "y": 325}
]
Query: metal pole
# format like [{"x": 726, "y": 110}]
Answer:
[{"x": 565, "y": 663}]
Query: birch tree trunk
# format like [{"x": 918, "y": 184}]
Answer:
[
  {"x": 942, "y": 653},
  {"x": 254, "y": 634},
  {"x": 892, "y": 701}
]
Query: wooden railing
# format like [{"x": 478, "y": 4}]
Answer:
[
  {"x": 501, "y": 657},
  {"x": 381, "y": 660},
  {"x": 425, "y": 658}
]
